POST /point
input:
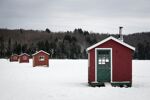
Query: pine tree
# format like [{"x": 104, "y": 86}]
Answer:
[
  {"x": 9, "y": 51},
  {"x": 147, "y": 51},
  {"x": 141, "y": 53},
  {"x": 2, "y": 47}
]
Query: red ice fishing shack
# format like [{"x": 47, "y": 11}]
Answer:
[
  {"x": 41, "y": 58},
  {"x": 14, "y": 58},
  {"x": 24, "y": 58},
  {"x": 110, "y": 61}
]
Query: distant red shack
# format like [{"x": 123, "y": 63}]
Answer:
[
  {"x": 14, "y": 58},
  {"x": 24, "y": 58},
  {"x": 41, "y": 58},
  {"x": 110, "y": 60}
]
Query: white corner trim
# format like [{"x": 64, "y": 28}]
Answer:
[
  {"x": 88, "y": 60},
  {"x": 110, "y": 38},
  {"x": 96, "y": 49},
  {"x": 89, "y": 63}
]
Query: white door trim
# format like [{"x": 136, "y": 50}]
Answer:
[{"x": 96, "y": 49}]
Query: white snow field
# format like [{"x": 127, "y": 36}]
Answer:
[{"x": 66, "y": 80}]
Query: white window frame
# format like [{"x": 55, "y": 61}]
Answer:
[{"x": 41, "y": 58}]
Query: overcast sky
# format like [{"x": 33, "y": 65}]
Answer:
[{"x": 62, "y": 15}]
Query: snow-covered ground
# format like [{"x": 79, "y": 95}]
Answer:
[{"x": 66, "y": 80}]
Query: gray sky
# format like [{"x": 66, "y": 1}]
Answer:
[{"x": 62, "y": 15}]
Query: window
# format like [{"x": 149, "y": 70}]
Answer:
[
  {"x": 41, "y": 58},
  {"x": 107, "y": 59},
  {"x": 103, "y": 59},
  {"x": 100, "y": 61}
]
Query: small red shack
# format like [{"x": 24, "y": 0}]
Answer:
[
  {"x": 110, "y": 60},
  {"x": 41, "y": 58},
  {"x": 14, "y": 58},
  {"x": 24, "y": 58}
]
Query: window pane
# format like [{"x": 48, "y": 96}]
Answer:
[
  {"x": 41, "y": 58},
  {"x": 99, "y": 61}
]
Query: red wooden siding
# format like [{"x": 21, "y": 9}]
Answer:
[
  {"x": 24, "y": 58},
  {"x": 92, "y": 66}
]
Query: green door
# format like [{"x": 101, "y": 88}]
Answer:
[{"x": 103, "y": 65}]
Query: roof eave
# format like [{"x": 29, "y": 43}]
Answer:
[
  {"x": 24, "y": 54},
  {"x": 107, "y": 39},
  {"x": 40, "y": 51}
]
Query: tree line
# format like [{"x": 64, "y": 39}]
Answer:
[{"x": 64, "y": 45}]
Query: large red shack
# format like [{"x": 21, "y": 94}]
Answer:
[{"x": 110, "y": 60}]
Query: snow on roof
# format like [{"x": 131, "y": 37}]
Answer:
[
  {"x": 39, "y": 52},
  {"x": 110, "y": 38},
  {"x": 24, "y": 54}
]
